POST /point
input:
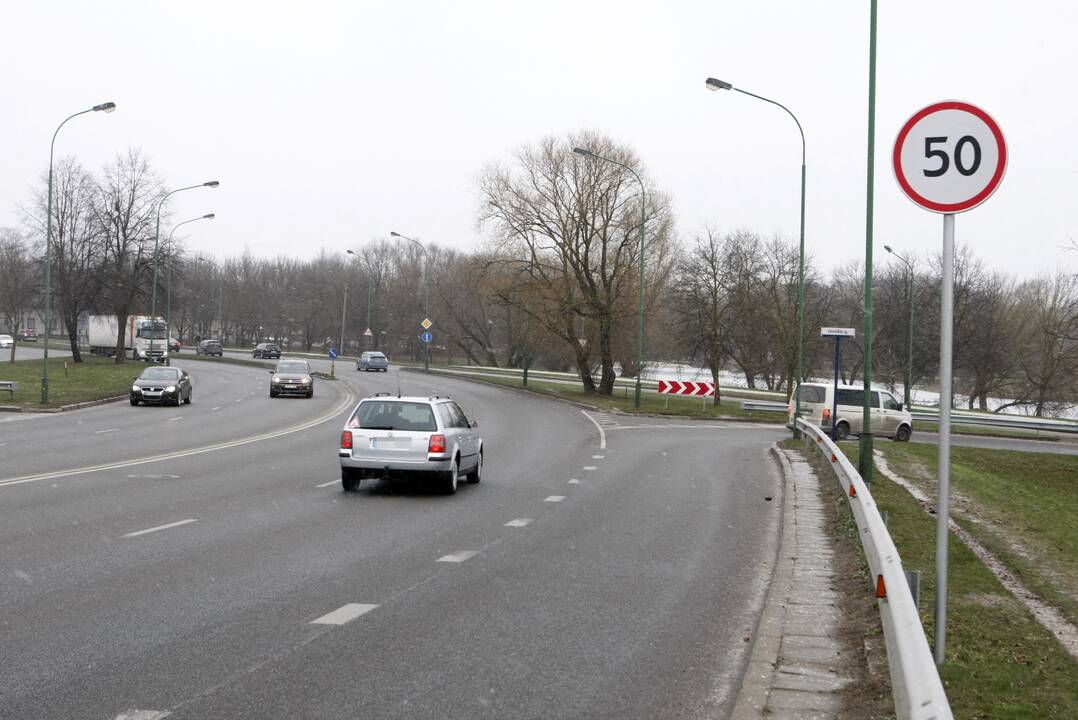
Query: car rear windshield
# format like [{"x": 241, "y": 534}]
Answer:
[
  {"x": 394, "y": 415},
  {"x": 811, "y": 393},
  {"x": 377, "y": 356}
]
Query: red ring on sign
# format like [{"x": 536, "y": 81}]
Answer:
[{"x": 1001, "y": 165}]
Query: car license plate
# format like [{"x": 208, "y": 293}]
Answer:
[
  {"x": 390, "y": 443},
  {"x": 290, "y": 387}
]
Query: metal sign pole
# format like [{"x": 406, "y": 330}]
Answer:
[
  {"x": 942, "y": 513},
  {"x": 834, "y": 396}
]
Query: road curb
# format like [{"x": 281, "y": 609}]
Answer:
[
  {"x": 63, "y": 408},
  {"x": 759, "y": 673}
]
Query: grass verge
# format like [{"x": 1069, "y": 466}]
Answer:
[
  {"x": 1000, "y": 662},
  {"x": 1031, "y": 498},
  {"x": 95, "y": 378}
]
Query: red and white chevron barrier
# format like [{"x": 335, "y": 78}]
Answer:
[{"x": 683, "y": 387}]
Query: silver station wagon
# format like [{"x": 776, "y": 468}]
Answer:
[{"x": 392, "y": 437}]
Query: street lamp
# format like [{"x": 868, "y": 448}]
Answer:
[
  {"x": 106, "y": 107},
  {"x": 354, "y": 254},
  {"x": 643, "y": 219},
  {"x": 156, "y": 238},
  {"x": 908, "y": 393},
  {"x": 715, "y": 84},
  {"x": 426, "y": 287},
  {"x": 168, "y": 282}
]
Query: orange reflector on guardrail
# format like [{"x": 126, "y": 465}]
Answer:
[
  {"x": 881, "y": 588},
  {"x": 853, "y": 492},
  {"x": 834, "y": 458}
]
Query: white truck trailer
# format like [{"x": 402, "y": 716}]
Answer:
[{"x": 144, "y": 339}]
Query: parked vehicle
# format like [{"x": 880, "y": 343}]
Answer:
[
  {"x": 372, "y": 360},
  {"x": 889, "y": 417},
  {"x": 291, "y": 377},
  {"x": 28, "y": 335},
  {"x": 389, "y": 437},
  {"x": 210, "y": 347},
  {"x": 144, "y": 339},
  {"x": 266, "y": 350},
  {"x": 174, "y": 345},
  {"x": 162, "y": 386},
  {"x": 6, "y": 341}
]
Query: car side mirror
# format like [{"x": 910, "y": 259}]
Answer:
[
  {"x": 270, "y": 372},
  {"x": 474, "y": 424},
  {"x": 900, "y": 407}
]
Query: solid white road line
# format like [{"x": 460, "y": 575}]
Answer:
[
  {"x": 160, "y": 527},
  {"x": 602, "y": 433},
  {"x": 343, "y": 614},
  {"x": 457, "y": 557},
  {"x": 574, "y": 481},
  {"x": 555, "y": 498},
  {"x": 143, "y": 715},
  {"x": 334, "y": 481},
  {"x": 589, "y": 467},
  {"x": 519, "y": 522},
  {"x": 96, "y": 432},
  {"x": 175, "y": 419},
  {"x": 597, "y": 457}
]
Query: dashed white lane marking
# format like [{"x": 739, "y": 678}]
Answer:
[
  {"x": 597, "y": 457},
  {"x": 215, "y": 408},
  {"x": 555, "y": 498},
  {"x": 334, "y": 481},
  {"x": 96, "y": 432},
  {"x": 574, "y": 481},
  {"x": 602, "y": 433},
  {"x": 175, "y": 419},
  {"x": 344, "y": 614},
  {"x": 519, "y": 522},
  {"x": 589, "y": 467},
  {"x": 457, "y": 557},
  {"x": 143, "y": 715},
  {"x": 160, "y": 527},
  {"x": 239, "y": 399}
]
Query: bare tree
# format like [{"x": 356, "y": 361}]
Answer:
[{"x": 20, "y": 289}]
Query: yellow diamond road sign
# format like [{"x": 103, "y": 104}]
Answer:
[{"x": 426, "y": 323}]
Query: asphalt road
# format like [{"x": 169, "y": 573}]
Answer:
[
  {"x": 185, "y": 570},
  {"x": 35, "y": 351}
]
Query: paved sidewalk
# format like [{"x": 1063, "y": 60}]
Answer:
[{"x": 797, "y": 667}]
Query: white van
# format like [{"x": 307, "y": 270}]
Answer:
[{"x": 889, "y": 418}]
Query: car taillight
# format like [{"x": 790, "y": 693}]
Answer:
[
  {"x": 437, "y": 444},
  {"x": 346, "y": 440},
  {"x": 827, "y": 413}
]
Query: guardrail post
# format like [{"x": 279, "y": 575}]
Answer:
[{"x": 913, "y": 577}]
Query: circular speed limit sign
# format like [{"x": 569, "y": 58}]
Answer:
[{"x": 949, "y": 157}]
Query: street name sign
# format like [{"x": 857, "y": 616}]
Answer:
[
  {"x": 837, "y": 332},
  {"x": 685, "y": 387}
]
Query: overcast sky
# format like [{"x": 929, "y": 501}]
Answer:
[{"x": 330, "y": 124}]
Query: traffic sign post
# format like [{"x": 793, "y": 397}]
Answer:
[
  {"x": 948, "y": 158},
  {"x": 837, "y": 333},
  {"x": 333, "y": 362},
  {"x": 426, "y": 337}
]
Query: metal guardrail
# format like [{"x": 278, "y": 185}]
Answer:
[
  {"x": 767, "y": 405},
  {"x": 915, "y": 683},
  {"x": 1016, "y": 422}
]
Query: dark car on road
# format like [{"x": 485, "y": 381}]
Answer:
[
  {"x": 267, "y": 350},
  {"x": 210, "y": 347},
  {"x": 28, "y": 336},
  {"x": 162, "y": 386},
  {"x": 174, "y": 345},
  {"x": 291, "y": 377},
  {"x": 372, "y": 360}
]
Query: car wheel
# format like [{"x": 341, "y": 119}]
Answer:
[
  {"x": 349, "y": 480},
  {"x": 477, "y": 472},
  {"x": 273, "y": 394},
  {"x": 451, "y": 479},
  {"x": 842, "y": 431},
  {"x": 310, "y": 394},
  {"x": 903, "y": 433},
  {"x": 134, "y": 403},
  {"x": 188, "y": 399},
  {"x": 179, "y": 400}
]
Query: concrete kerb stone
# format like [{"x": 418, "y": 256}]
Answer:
[{"x": 64, "y": 408}]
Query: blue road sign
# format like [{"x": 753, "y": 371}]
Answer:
[
  {"x": 426, "y": 337},
  {"x": 333, "y": 353}
]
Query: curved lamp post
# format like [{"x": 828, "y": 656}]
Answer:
[
  {"x": 715, "y": 84},
  {"x": 640, "y": 315},
  {"x": 168, "y": 281},
  {"x": 156, "y": 238},
  {"x": 106, "y": 107},
  {"x": 426, "y": 287},
  {"x": 909, "y": 346}
]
